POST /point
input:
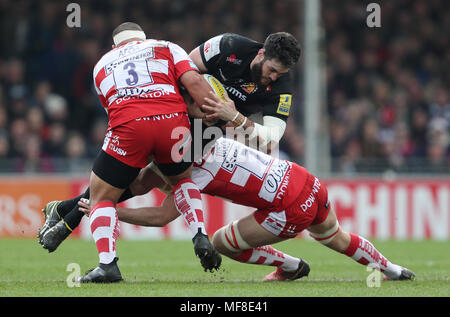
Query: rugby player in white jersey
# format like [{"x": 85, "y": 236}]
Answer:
[{"x": 288, "y": 199}]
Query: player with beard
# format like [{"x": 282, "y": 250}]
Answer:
[
  {"x": 258, "y": 82},
  {"x": 256, "y": 77}
]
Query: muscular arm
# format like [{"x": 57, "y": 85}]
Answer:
[
  {"x": 159, "y": 216},
  {"x": 197, "y": 88},
  {"x": 150, "y": 216},
  {"x": 197, "y": 59},
  {"x": 145, "y": 216}
]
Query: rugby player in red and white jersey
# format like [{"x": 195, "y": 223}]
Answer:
[
  {"x": 138, "y": 85},
  {"x": 288, "y": 199},
  {"x": 256, "y": 76}
]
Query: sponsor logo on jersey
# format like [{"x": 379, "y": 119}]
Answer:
[
  {"x": 284, "y": 106},
  {"x": 284, "y": 186},
  {"x": 143, "y": 54},
  {"x": 233, "y": 60},
  {"x": 128, "y": 49},
  {"x": 249, "y": 88},
  {"x": 230, "y": 161},
  {"x": 212, "y": 47},
  {"x": 275, "y": 222},
  {"x": 233, "y": 91},
  {"x": 106, "y": 140},
  {"x": 116, "y": 149},
  {"x": 206, "y": 47},
  {"x": 311, "y": 198},
  {"x": 144, "y": 93},
  {"x": 115, "y": 140},
  {"x": 274, "y": 180},
  {"x": 158, "y": 117},
  {"x": 112, "y": 143},
  {"x": 153, "y": 91},
  {"x": 291, "y": 230}
]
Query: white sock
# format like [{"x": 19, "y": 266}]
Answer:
[
  {"x": 105, "y": 230},
  {"x": 267, "y": 255},
  {"x": 364, "y": 252},
  {"x": 188, "y": 202}
]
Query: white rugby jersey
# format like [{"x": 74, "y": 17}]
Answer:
[
  {"x": 248, "y": 177},
  {"x": 140, "y": 78}
]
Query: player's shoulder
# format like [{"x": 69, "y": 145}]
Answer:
[
  {"x": 102, "y": 61},
  {"x": 230, "y": 43},
  {"x": 236, "y": 39},
  {"x": 284, "y": 84},
  {"x": 238, "y": 43},
  {"x": 277, "y": 98},
  {"x": 108, "y": 57},
  {"x": 157, "y": 43},
  {"x": 166, "y": 46}
]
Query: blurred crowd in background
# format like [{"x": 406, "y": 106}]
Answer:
[
  {"x": 388, "y": 87},
  {"x": 387, "y": 98}
]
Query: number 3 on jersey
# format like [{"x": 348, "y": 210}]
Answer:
[
  {"x": 139, "y": 72},
  {"x": 133, "y": 80},
  {"x": 132, "y": 74}
]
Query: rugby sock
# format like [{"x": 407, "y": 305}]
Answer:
[
  {"x": 267, "y": 255},
  {"x": 66, "y": 206},
  {"x": 105, "y": 230},
  {"x": 188, "y": 202},
  {"x": 363, "y": 252},
  {"x": 73, "y": 218}
]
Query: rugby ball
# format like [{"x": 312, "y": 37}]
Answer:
[{"x": 216, "y": 85}]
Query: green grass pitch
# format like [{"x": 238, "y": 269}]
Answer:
[{"x": 170, "y": 269}]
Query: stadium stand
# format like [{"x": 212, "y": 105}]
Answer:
[{"x": 388, "y": 96}]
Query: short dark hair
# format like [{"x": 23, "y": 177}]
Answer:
[
  {"x": 282, "y": 46},
  {"x": 125, "y": 27}
]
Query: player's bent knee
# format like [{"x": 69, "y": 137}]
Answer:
[
  {"x": 217, "y": 241},
  {"x": 228, "y": 239},
  {"x": 327, "y": 236}
]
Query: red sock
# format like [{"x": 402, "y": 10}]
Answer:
[
  {"x": 267, "y": 255},
  {"x": 188, "y": 202},
  {"x": 363, "y": 252},
  {"x": 105, "y": 230}
]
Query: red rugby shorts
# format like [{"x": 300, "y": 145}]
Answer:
[{"x": 162, "y": 137}]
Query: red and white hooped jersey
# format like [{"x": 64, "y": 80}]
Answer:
[
  {"x": 248, "y": 177},
  {"x": 139, "y": 79}
]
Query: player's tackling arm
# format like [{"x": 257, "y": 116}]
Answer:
[
  {"x": 198, "y": 89},
  {"x": 145, "y": 216},
  {"x": 188, "y": 76}
]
